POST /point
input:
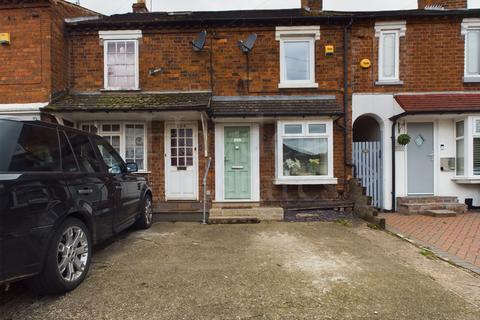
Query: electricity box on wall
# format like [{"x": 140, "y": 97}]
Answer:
[
  {"x": 447, "y": 164},
  {"x": 5, "y": 39}
]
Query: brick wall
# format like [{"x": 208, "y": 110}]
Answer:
[
  {"x": 184, "y": 69},
  {"x": 24, "y": 71},
  {"x": 431, "y": 57},
  {"x": 34, "y": 65}
]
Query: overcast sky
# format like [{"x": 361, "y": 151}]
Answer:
[{"x": 122, "y": 6}]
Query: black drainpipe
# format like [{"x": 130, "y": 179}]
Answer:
[
  {"x": 394, "y": 196},
  {"x": 346, "y": 160}
]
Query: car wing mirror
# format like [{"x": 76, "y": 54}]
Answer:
[{"x": 132, "y": 167}]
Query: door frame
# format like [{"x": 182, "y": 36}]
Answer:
[
  {"x": 167, "y": 159},
  {"x": 254, "y": 161},
  {"x": 435, "y": 157}
]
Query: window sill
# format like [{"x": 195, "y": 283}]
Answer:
[
  {"x": 305, "y": 181},
  {"x": 471, "y": 79},
  {"x": 467, "y": 180},
  {"x": 389, "y": 83},
  {"x": 289, "y": 85},
  {"x": 120, "y": 90}
]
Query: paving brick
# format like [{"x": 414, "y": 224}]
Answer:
[{"x": 456, "y": 237}]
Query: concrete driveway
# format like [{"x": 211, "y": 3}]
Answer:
[{"x": 264, "y": 271}]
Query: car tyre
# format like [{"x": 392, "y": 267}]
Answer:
[
  {"x": 145, "y": 220},
  {"x": 67, "y": 260}
]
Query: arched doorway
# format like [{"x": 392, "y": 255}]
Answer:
[{"x": 367, "y": 157}]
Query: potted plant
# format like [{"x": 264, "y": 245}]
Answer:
[{"x": 403, "y": 139}]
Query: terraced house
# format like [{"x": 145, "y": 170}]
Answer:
[{"x": 251, "y": 111}]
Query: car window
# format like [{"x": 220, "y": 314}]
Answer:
[
  {"x": 111, "y": 158},
  {"x": 83, "y": 150},
  {"x": 69, "y": 163},
  {"x": 29, "y": 148}
]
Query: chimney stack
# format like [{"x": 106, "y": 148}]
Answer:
[
  {"x": 312, "y": 4},
  {"x": 140, "y": 7}
]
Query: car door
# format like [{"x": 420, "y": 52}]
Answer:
[
  {"x": 90, "y": 186},
  {"x": 128, "y": 186},
  {"x": 33, "y": 195}
]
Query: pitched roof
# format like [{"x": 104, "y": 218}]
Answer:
[
  {"x": 236, "y": 17},
  {"x": 438, "y": 103},
  {"x": 110, "y": 102},
  {"x": 274, "y": 106}
]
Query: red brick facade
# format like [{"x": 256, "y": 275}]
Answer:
[
  {"x": 35, "y": 64},
  {"x": 431, "y": 57}
]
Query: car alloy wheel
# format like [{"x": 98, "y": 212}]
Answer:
[
  {"x": 72, "y": 254},
  {"x": 148, "y": 211}
]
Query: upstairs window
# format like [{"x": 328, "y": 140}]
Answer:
[
  {"x": 121, "y": 66},
  {"x": 388, "y": 35},
  {"x": 471, "y": 32},
  {"x": 297, "y": 56}
]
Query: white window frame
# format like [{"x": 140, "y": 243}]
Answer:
[
  {"x": 475, "y": 134},
  {"x": 123, "y": 138},
  {"x": 292, "y": 34},
  {"x": 281, "y": 179},
  {"x": 471, "y": 24},
  {"x": 398, "y": 28},
  {"x": 457, "y": 138},
  {"x": 107, "y": 37}
]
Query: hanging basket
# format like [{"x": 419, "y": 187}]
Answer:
[{"x": 404, "y": 139}]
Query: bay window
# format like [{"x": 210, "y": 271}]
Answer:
[
  {"x": 305, "y": 152},
  {"x": 128, "y": 139},
  {"x": 460, "y": 147}
]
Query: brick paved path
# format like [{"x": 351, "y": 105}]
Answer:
[{"x": 455, "y": 238}]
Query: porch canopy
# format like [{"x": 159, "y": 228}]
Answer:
[
  {"x": 131, "y": 102},
  {"x": 274, "y": 106},
  {"x": 414, "y": 104}
]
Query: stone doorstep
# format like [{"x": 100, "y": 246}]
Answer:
[
  {"x": 235, "y": 205},
  {"x": 440, "y": 213},
  {"x": 408, "y": 200},
  {"x": 263, "y": 214},
  {"x": 419, "y": 208}
]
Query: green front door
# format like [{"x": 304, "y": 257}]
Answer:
[{"x": 237, "y": 163}]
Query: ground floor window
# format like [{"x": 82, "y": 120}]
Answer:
[
  {"x": 304, "y": 150},
  {"x": 128, "y": 139},
  {"x": 460, "y": 147}
]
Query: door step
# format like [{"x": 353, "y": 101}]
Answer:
[
  {"x": 425, "y": 205},
  {"x": 440, "y": 213},
  {"x": 178, "y": 207},
  {"x": 235, "y": 205}
]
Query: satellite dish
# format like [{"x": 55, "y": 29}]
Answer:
[
  {"x": 199, "y": 43},
  {"x": 248, "y": 45}
]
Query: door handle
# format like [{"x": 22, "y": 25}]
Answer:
[
  {"x": 85, "y": 191},
  {"x": 237, "y": 167}
]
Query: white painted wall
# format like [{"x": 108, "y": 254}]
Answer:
[
  {"x": 382, "y": 107},
  {"x": 369, "y": 5}
]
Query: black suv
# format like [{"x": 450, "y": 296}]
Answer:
[{"x": 61, "y": 192}]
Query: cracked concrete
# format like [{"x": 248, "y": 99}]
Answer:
[{"x": 263, "y": 271}]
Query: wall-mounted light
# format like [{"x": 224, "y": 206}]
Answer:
[
  {"x": 152, "y": 72},
  {"x": 5, "y": 39}
]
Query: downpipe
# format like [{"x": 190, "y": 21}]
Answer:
[{"x": 204, "y": 182}]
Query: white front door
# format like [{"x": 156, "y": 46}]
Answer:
[{"x": 181, "y": 165}]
